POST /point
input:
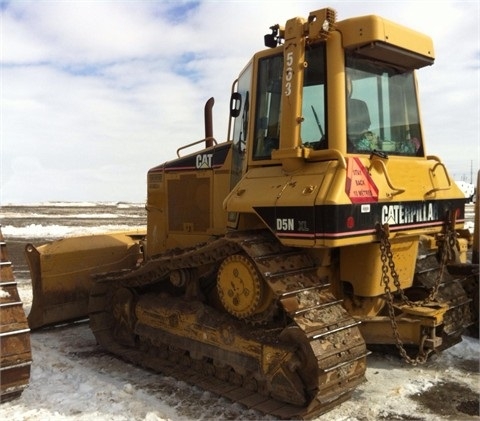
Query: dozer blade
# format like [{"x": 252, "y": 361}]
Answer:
[
  {"x": 61, "y": 272},
  {"x": 15, "y": 350}
]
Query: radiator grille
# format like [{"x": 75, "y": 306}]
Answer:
[{"x": 189, "y": 204}]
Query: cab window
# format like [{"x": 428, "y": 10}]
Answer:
[
  {"x": 382, "y": 109},
  {"x": 269, "y": 94},
  {"x": 313, "y": 130},
  {"x": 268, "y": 104}
]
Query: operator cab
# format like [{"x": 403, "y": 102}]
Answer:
[
  {"x": 374, "y": 111},
  {"x": 382, "y": 112}
]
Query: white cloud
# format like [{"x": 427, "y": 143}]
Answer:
[
  {"x": 83, "y": 31},
  {"x": 90, "y": 87}
]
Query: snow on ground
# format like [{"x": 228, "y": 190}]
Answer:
[{"x": 72, "y": 378}]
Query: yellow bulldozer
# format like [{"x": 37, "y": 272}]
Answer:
[{"x": 272, "y": 259}]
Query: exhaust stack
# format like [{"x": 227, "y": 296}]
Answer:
[{"x": 209, "y": 123}]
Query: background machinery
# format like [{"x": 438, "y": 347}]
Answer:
[{"x": 15, "y": 350}]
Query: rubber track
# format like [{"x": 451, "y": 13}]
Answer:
[{"x": 325, "y": 326}]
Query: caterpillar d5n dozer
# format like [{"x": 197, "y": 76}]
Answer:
[
  {"x": 320, "y": 225},
  {"x": 15, "y": 350}
]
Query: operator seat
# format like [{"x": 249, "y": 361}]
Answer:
[{"x": 358, "y": 117}]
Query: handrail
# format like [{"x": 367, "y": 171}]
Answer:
[
  {"x": 196, "y": 143},
  {"x": 326, "y": 155},
  {"x": 397, "y": 190},
  {"x": 432, "y": 171},
  {"x": 433, "y": 158}
]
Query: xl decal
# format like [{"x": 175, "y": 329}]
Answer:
[{"x": 288, "y": 224}]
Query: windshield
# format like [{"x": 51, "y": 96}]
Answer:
[{"x": 382, "y": 111}]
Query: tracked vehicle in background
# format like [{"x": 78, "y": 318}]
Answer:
[
  {"x": 15, "y": 349},
  {"x": 320, "y": 225}
]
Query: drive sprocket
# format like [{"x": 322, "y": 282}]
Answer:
[{"x": 240, "y": 287}]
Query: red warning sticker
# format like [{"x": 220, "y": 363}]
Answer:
[{"x": 360, "y": 186}]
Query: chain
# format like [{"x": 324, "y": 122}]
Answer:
[
  {"x": 386, "y": 255},
  {"x": 447, "y": 254}
]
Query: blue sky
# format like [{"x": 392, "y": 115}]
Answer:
[{"x": 94, "y": 93}]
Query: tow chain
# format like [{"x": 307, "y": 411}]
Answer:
[{"x": 386, "y": 255}]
